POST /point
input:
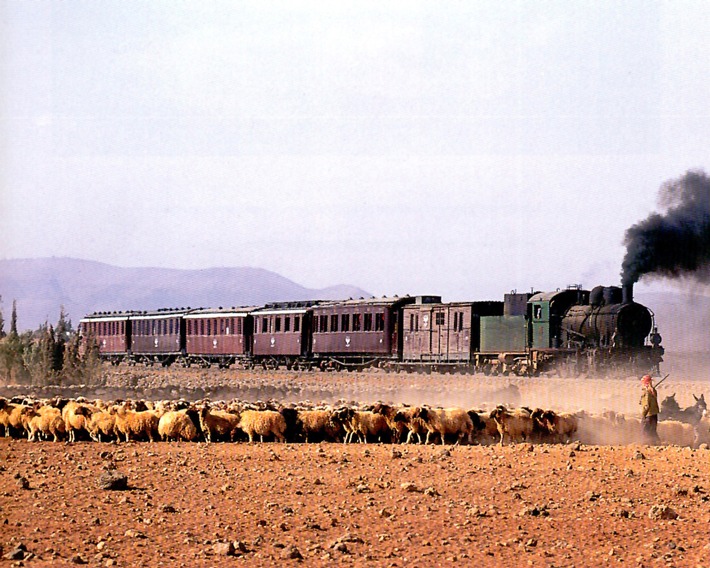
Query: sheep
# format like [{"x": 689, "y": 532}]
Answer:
[
  {"x": 396, "y": 420},
  {"x": 362, "y": 423},
  {"x": 562, "y": 426},
  {"x": 263, "y": 423},
  {"x": 218, "y": 423},
  {"x": 404, "y": 420},
  {"x": 317, "y": 423},
  {"x": 702, "y": 431},
  {"x": 446, "y": 421},
  {"x": 677, "y": 433},
  {"x": 11, "y": 417},
  {"x": 143, "y": 424},
  {"x": 102, "y": 423},
  {"x": 76, "y": 416},
  {"x": 517, "y": 423},
  {"x": 44, "y": 420},
  {"x": 177, "y": 425},
  {"x": 609, "y": 428}
]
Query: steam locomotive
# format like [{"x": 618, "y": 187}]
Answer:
[{"x": 573, "y": 331}]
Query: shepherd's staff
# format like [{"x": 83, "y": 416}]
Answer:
[{"x": 659, "y": 382}]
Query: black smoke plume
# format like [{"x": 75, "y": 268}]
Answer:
[{"x": 675, "y": 243}]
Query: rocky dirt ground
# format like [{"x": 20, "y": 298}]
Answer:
[{"x": 197, "y": 504}]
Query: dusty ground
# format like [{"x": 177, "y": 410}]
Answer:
[{"x": 378, "y": 505}]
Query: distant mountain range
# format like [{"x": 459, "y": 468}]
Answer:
[{"x": 41, "y": 286}]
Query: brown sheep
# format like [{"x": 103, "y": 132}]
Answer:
[
  {"x": 11, "y": 418},
  {"x": 263, "y": 423},
  {"x": 43, "y": 420},
  {"x": 516, "y": 423},
  {"x": 562, "y": 427},
  {"x": 76, "y": 416},
  {"x": 218, "y": 424},
  {"x": 446, "y": 421},
  {"x": 396, "y": 419},
  {"x": 362, "y": 423},
  {"x": 142, "y": 424},
  {"x": 102, "y": 423},
  {"x": 317, "y": 423},
  {"x": 175, "y": 425}
]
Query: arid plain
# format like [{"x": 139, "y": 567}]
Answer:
[{"x": 220, "y": 504}]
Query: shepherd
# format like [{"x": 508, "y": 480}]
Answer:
[{"x": 649, "y": 411}]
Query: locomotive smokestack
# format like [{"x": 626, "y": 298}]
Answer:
[
  {"x": 676, "y": 243},
  {"x": 627, "y": 293}
]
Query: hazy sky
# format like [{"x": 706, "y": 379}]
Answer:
[{"x": 458, "y": 148}]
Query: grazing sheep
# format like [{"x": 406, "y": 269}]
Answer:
[
  {"x": 217, "y": 424},
  {"x": 317, "y": 423},
  {"x": 143, "y": 424},
  {"x": 102, "y": 423},
  {"x": 562, "y": 426},
  {"x": 677, "y": 433},
  {"x": 702, "y": 431},
  {"x": 362, "y": 423},
  {"x": 404, "y": 421},
  {"x": 517, "y": 423},
  {"x": 263, "y": 423},
  {"x": 177, "y": 425},
  {"x": 396, "y": 420},
  {"x": 446, "y": 421},
  {"x": 11, "y": 417},
  {"x": 43, "y": 421},
  {"x": 76, "y": 415},
  {"x": 290, "y": 415}
]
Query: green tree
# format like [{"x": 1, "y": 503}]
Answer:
[
  {"x": 2, "y": 321},
  {"x": 13, "y": 319},
  {"x": 39, "y": 356},
  {"x": 11, "y": 359}
]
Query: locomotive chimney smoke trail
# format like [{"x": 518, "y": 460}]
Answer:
[{"x": 676, "y": 243}]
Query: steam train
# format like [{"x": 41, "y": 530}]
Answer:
[{"x": 573, "y": 331}]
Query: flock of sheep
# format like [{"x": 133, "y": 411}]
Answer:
[{"x": 79, "y": 419}]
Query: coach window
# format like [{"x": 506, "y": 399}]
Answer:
[
  {"x": 357, "y": 324},
  {"x": 367, "y": 324},
  {"x": 265, "y": 324},
  {"x": 379, "y": 321},
  {"x": 440, "y": 318},
  {"x": 287, "y": 323},
  {"x": 296, "y": 323},
  {"x": 345, "y": 322},
  {"x": 277, "y": 324},
  {"x": 334, "y": 322},
  {"x": 323, "y": 324}
]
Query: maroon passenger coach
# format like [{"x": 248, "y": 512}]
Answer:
[
  {"x": 219, "y": 336},
  {"x": 282, "y": 335},
  {"x": 112, "y": 333},
  {"x": 353, "y": 334}
]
